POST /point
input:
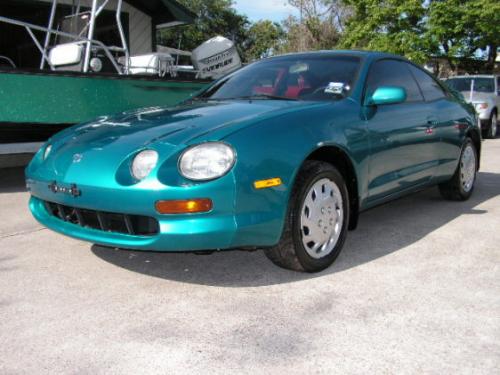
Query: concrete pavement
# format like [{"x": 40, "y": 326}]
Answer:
[{"x": 415, "y": 290}]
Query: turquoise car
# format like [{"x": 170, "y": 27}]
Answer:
[{"x": 281, "y": 155}]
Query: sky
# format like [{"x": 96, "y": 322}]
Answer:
[{"x": 275, "y": 10}]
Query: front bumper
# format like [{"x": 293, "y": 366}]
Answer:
[
  {"x": 179, "y": 235},
  {"x": 483, "y": 114},
  {"x": 222, "y": 228}
]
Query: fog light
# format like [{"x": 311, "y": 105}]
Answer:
[{"x": 187, "y": 206}]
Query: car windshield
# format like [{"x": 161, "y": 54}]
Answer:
[
  {"x": 465, "y": 84},
  {"x": 289, "y": 78}
]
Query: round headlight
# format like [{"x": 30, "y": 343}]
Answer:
[
  {"x": 206, "y": 161},
  {"x": 46, "y": 152},
  {"x": 143, "y": 164}
]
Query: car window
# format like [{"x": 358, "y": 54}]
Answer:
[
  {"x": 498, "y": 85},
  {"x": 392, "y": 73},
  {"x": 429, "y": 86},
  {"x": 291, "y": 77},
  {"x": 484, "y": 85},
  {"x": 479, "y": 84}
]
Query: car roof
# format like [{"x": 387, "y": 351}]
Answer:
[
  {"x": 475, "y": 76},
  {"x": 357, "y": 53}
]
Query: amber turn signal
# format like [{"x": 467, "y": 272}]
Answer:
[{"x": 185, "y": 206}]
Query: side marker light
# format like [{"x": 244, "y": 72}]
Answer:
[{"x": 270, "y": 182}]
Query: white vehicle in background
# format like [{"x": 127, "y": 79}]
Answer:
[{"x": 483, "y": 92}]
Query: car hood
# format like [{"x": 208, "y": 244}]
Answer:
[
  {"x": 103, "y": 145},
  {"x": 476, "y": 96}
]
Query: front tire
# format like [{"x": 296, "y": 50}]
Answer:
[
  {"x": 493, "y": 125},
  {"x": 317, "y": 220},
  {"x": 461, "y": 185}
]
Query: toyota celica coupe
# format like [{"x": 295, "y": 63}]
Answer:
[{"x": 281, "y": 155}]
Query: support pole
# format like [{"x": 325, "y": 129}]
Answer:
[
  {"x": 48, "y": 34},
  {"x": 122, "y": 35},
  {"x": 90, "y": 36},
  {"x": 39, "y": 46}
]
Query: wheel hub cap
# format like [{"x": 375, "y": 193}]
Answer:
[
  {"x": 468, "y": 168},
  {"x": 322, "y": 217}
]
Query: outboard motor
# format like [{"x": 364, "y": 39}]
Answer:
[{"x": 215, "y": 58}]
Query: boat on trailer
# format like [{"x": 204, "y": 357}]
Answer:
[{"x": 93, "y": 58}]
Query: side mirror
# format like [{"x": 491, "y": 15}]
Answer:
[{"x": 387, "y": 95}]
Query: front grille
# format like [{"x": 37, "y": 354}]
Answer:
[{"x": 105, "y": 221}]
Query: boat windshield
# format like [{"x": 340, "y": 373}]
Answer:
[
  {"x": 289, "y": 78},
  {"x": 465, "y": 84}
]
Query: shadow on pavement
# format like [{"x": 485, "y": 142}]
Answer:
[
  {"x": 12, "y": 180},
  {"x": 381, "y": 231}
]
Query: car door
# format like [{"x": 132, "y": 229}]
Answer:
[
  {"x": 450, "y": 122},
  {"x": 403, "y": 152}
]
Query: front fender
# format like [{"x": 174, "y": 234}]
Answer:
[{"x": 278, "y": 148}]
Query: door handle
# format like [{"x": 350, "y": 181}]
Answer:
[
  {"x": 432, "y": 121},
  {"x": 426, "y": 129},
  {"x": 430, "y": 126}
]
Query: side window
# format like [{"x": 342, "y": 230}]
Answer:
[
  {"x": 430, "y": 88},
  {"x": 498, "y": 85},
  {"x": 392, "y": 73}
]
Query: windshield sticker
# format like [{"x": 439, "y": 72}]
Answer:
[{"x": 335, "y": 88}]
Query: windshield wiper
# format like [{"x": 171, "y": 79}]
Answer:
[
  {"x": 198, "y": 99},
  {"x": 245, "y": 97}
]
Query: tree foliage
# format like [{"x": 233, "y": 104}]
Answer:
[
  {"x": 387, "y": 25},
  {"x": 264, "y": 38},
  {"x": 215, "y": 17},
  {"x": 452, "y": 29},
  {"x": 319, "y": 26},
  {"x": 456, "y": 30}
]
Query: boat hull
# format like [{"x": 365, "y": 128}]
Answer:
[{"x": 34, "y": 105}]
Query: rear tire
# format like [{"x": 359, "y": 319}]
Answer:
[
  {"x": 317, "y": 220},
  {"x": 461, "y": 185}
]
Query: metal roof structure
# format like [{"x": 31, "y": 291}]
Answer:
[{"x": 164, "y": 13}]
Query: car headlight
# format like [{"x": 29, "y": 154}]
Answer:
[
  {"x": 47, "y": 151},
  {"x": 481, "y": 106},
  {"x": 207, "y": 161},
  {"x": 143, "y": 164}
]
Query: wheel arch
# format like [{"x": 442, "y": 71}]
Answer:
[{"x": 340, "y": 159}]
